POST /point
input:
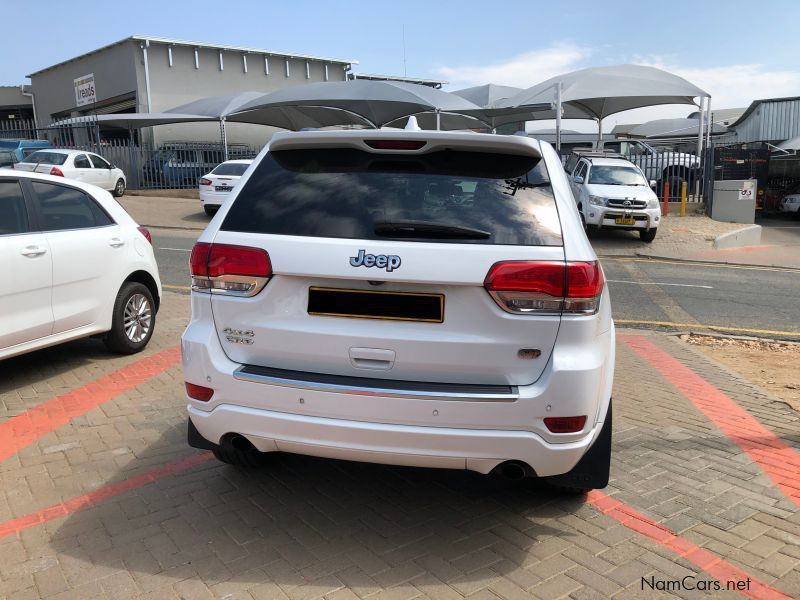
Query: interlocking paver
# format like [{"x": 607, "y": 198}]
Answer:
[{"x": 312, "y": 528}]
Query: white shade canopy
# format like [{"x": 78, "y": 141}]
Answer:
[
  {"x": 670, "y": 128},
  {"x": 598, "y": 92},
  {"x": 131, "y": 120}
]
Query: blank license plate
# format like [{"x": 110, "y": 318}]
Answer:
[
  {"x": 368, "y": 304},
  {"x": 223, "y": 188},
  {"x": 624, "y": 221}
]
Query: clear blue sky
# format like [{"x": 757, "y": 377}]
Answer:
[{"x": 737, "y": 50}]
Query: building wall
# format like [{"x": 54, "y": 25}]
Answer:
[
  {"x": 771, "y": 121},
  {"x": 114, "y": 71},
  {"x": 172, "y": 86}
]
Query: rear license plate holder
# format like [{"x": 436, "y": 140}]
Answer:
[
  {"x": 373, "y": 304},
  {"x": 223, "y": 188}
]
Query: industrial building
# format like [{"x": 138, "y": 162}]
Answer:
[{"x": 154, "y": 74}]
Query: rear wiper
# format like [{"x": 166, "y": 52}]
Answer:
[{"x": 428, "y": 229}]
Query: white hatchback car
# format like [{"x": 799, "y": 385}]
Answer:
[
  {"x": 75, "y": 264},
  {"x": 216, "y": 186},
  {"x": 610, "y": 191},
  {"x": 79, "y": 165},
  {"x": 403, "y": 297}
]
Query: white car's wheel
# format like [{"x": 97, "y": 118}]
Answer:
[
  {"x": 133, "y": 321},
  {"x": 119, "y": 188}
]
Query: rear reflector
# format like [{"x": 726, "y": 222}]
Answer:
[
  {"x": 198, "y": 392},
  {"x": 146, "y": 233},
  {"x": 226, "y": 269},
  {"x": 395, "y": 144},
  {"x": 565, "y": 424},
  {"x": 546, "y": 287}
]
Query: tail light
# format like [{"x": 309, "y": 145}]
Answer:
[
  {"x": 56, "y": 171},
  {"x": 146, "y": 233},
  {"x": 204, "y": 181},
  {"x": 565, "y": 424},
  {"x": 231, "y": 270},
  {"x": 521, "y": 287},
  {"x": 198, "y": 392}
]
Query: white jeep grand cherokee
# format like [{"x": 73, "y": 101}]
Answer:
[{"x": 403, "y": 297}]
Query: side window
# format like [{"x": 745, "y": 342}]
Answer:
[
  {"x": 64, "y": 207},
  {"x": 581, "y": 172},
  {"x": 99, "y": 162},
  {"x": 572, "y": 162},
  {"x": 81, "y": 162},
  {"x": 13, "y": 216}
]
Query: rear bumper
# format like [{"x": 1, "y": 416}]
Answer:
[
  {"x": 476, "y": 450},
  {"x": 211, "y": 198}
]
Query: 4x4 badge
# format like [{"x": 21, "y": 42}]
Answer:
[{"x": 390, "y": 262}]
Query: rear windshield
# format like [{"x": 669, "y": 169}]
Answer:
[
  {"x": 230, "y": 169},
  {"x": 48, "y": 158},
  {"x": 445, "y": 196}
]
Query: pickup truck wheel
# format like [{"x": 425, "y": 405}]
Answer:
[{"x": 649, "y": 235}]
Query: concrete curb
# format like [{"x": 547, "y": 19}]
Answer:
[{"x": 746, "y": 236}]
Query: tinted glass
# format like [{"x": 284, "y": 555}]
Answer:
[
  {"x": 7, "y": 159},
  {"x": 98, "y": 162},
  {"x": 609, "y": 175},
  {"x": 64, "y": 207},
  {"x": 47, "y": 158},
  {"x": 28, "y": 151},
  {"x": 13, "y": 216},
  {"x": 230, "y": 169},
  {"x": 345, "y": 193},
  {"x": 81, "y": 162}
]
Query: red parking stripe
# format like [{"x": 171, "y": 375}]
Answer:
[
  {"x": 99, "y": 495},
  {"x": 712, "y": 564},
  {"x": 778, "y": 460},
  {"x": 27, "y": 427}
]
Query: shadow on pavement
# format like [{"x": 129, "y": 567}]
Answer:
[{"x": 301, "y": 520}]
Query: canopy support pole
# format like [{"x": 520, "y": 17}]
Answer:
[
  {"x": 709, "y": 123},
  {"x": 599, "y": 131},
  {"x": 700, "y": 135},
  {"x": 438, "y": 120},
  {"x": 224, "y": 136},
  {"x": 558, "y": 117}
]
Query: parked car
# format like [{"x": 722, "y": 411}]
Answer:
[
  {"x": 76, "y": 265},
  {"x": 610, "y": 191},
  {"x": 79, "y": 165},
  {"x": 182, "y": 164},
  {"x": 421, "y": 298},
  {"x": 790, "y": 204},
  {"x": 216, "y": 186},
  {"x": 21, "y": 149}
]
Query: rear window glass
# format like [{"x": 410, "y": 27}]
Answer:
[
  {"x": 230, "y": 169},
  {"x": 47, "y": 158},
  {"x": 444, "y": 196}
]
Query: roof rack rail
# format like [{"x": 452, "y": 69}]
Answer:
[{"x": 590, "y": 153}]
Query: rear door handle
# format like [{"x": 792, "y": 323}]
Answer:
[
  {"x": 116, "y": 242},
  {"x": 33, "y": 251}
]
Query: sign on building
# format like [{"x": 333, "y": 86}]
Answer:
[{"x": 85, "y": 92}]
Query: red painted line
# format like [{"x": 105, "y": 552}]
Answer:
[
  {"x": 67, "y": 507},
  {"x": 712, "y": 564},
  {"x": 778, "y": 460},
  {"x": 25, "y": 428}
]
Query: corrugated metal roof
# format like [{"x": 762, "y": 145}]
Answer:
[
  {"x": 434, "y": 83},
  {"x": 174, "y": 42}
]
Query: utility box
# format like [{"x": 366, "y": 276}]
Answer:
[{"x": 735, "y": 200}]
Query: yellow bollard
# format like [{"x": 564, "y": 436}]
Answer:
[{"x": 683, "y": 199}]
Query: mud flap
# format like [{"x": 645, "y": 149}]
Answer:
[
  {"x": 592, "y": 470},
  {"x": 198, "y": 441}
]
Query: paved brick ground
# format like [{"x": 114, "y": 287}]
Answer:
[{"x": 311, "y": 528}]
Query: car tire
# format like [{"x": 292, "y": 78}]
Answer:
[
  {"x": 648, "y": 235},
  {"x": 241, "y": 458},
  {"x": 119, "y": 188},
  {"x": 133, "y": 320},
  {"x": 211, "y": 210}
]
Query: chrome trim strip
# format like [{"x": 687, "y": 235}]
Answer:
[{"x": 365, "y": 391}]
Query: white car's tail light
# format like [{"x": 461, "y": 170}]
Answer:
[
  {"x": 232, "y": 270},
  {"x": 146, "y": 233},
  {"x": 205, "y": 181},
  {"x": 528, "y": 287},
  {"x": 57, "y": 172}
]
